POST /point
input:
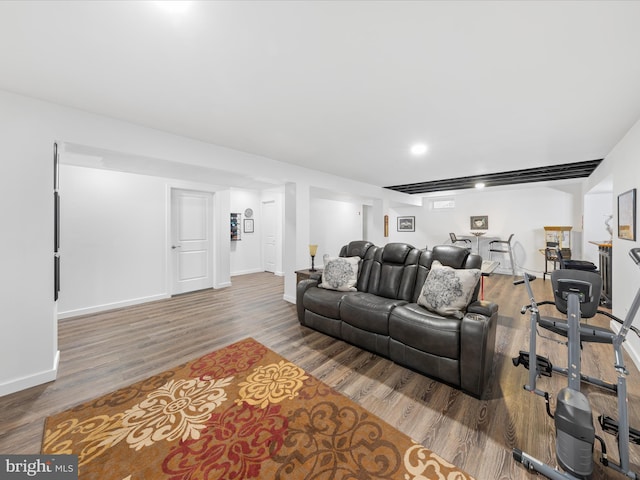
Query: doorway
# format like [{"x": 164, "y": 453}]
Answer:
[{"x": 191, "y": 240}]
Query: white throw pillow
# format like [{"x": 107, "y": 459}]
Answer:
[
  {"x": 447, "y": 291},
  {"x": 340, "y": 273}
]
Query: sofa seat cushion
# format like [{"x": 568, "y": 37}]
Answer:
[
  {"x": 368, "y": 312},
  {"x": 324, "y": 302},
  {"x": 423, "y": 330}
]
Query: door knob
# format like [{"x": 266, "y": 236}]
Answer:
[{"x": 173, "y": 247}]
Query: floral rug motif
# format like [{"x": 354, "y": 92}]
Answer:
[{"x": 242, "y": 412}]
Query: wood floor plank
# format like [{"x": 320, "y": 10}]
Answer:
[{"x": 105, "y": 351}]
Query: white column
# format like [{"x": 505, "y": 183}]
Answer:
[
  {"x": 296, "y": 235},
  {"x": 222, "y": 242}
]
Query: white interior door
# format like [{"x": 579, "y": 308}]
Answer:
[
  {"x": 192, "y": 240},
  {"x": 269, "y": 236}
]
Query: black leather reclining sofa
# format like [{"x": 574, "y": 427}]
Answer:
[{"x": 383, "y": 315}]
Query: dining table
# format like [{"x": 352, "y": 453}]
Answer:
[{"x": 478, "y": 234}]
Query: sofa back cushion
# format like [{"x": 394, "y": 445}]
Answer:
[
  {"x": 366, "y": 251},
  {"x": 357, "y": 248},
  {"x": 393, "y": 271}
]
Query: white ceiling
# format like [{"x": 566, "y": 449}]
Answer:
[{"x": 345, "y": 87}]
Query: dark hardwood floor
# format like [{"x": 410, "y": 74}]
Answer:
[{"x": 106, "y": 351}]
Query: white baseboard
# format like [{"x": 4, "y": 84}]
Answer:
[
  {"x": 31, "y": 380},
  {"x": 289, "y": 298},
  {"x": 110, "y": 306},
  {"x": 247, "y": 272},
  {"x": 222, "y": 285}
]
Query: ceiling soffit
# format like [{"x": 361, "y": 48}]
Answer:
[{"x": 528, "y": 175}]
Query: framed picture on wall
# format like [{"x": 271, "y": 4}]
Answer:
[
  {"x": 627, "y": 215},
  {"x": 248, "y": 225},
  {"x": 480, "y": 222},
  {"x": 406, "y": 224}
]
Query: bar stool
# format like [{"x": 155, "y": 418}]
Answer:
[
  {"x": 550, "y": 255},
  {"x": 503, "y": 246},
  {"x": 466, "y": 241}
]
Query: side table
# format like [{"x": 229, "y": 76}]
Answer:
[{"x": 307, "y": 273}]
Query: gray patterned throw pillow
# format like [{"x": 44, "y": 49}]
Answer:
[
  {"x": 340, "y": 273},
  {"x": 447, "y": 291}
]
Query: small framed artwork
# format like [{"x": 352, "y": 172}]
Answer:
[
  {"x": 627, "y": 215},
  {"x": 479, "y": 222},
  {"x": 406, "y": 224},
  {"x": 248, "y": 225}
]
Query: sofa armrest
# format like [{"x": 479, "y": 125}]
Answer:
[
  {"x": 477, "y": 346},
  {"x": 316, "y": 276},
  {"x": 483, "y": 307},
  {"x": 301, "y": 288}
]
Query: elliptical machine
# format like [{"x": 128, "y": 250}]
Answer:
[{"x": 577, "y": 294}]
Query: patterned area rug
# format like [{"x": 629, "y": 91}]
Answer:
[{"x": 238, "y": 413}]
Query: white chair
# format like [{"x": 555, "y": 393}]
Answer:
[{"x": 503, "y": 246}]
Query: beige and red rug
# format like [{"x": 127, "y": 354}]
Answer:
[{"x": 241, "y": 412}]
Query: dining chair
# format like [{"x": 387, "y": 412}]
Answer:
[
  {"x": 503, "y": 246},
  {"x": 466, "y": 241}
]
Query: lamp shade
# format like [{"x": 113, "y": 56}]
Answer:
[{"x": 313, "y": 249}]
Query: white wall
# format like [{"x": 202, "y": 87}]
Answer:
[
  {"x": 246, "y": 254},
  {"x": 113, "y": 239},
  {"x": 334, "y": 224},
  {"x": 29, "y": 338},
  {"x": 626, "y": 275},
  {"x": 524, "y": 211}
]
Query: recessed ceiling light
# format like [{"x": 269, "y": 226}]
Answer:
[
  {"x": 174, "y": 7},
  {"x": 479, "y": 185},
  {"x": 419, "y": 149}
]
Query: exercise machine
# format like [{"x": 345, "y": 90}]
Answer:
[{"x": 577, "y": 295}]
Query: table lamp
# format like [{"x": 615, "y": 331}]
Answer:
[{"x": 313, "y": 249}]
